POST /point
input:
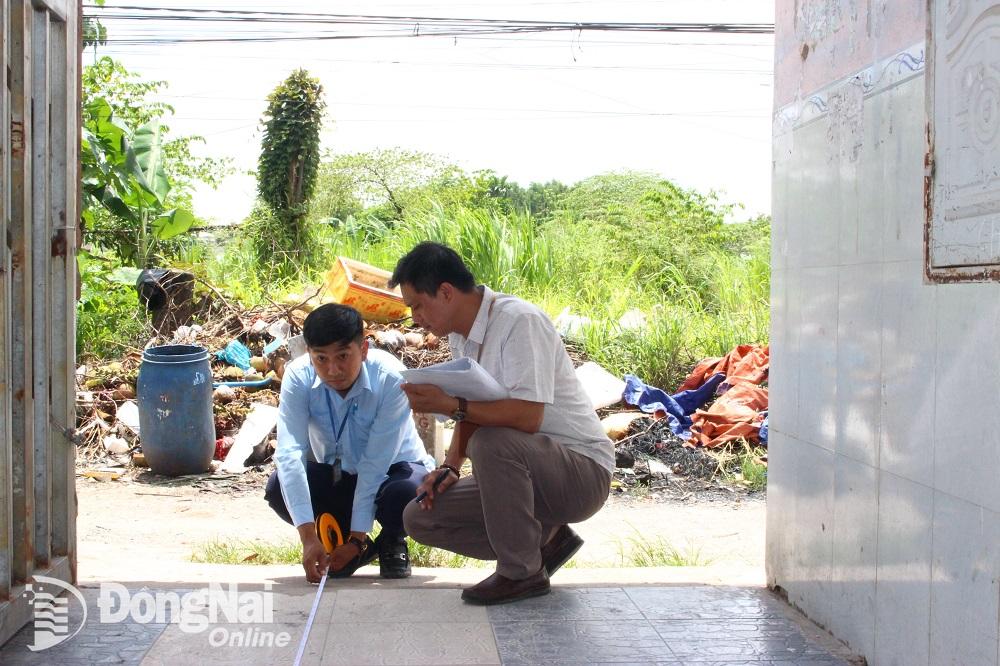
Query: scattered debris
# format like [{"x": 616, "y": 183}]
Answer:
[
  {"x": 617, "y": 425},
  {"x": 115, "y": 444},
  {"x": 652, "y": 462},
  {"x": 653, "y": 439},
  {"x": 602, "y": 387},
  {"x": 101, "y": 475},
  {"x": 128, "y": 415},
  {"x": 224, "y": 394},
  {"x": 258, "y": 425}
]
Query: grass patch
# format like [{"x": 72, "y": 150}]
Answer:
[
  {"x": 745, "y": 466},
  {"x": 290, "y": 552},
  {"x": 658, "y": 552},
  {"x": 248, "y": 552},
  {"x": 426, "y": 556},
  {"x": 636, "y": 552},
  {"x": 753, "y": 469}
]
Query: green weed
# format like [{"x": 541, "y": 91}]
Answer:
[
  {"x": 290, "y": 552},
  {"x": 110, "y": 320},
  {"x": 248, "y": 552},
  {"x": 425, "y": 556},
  {"x": 746, "y": 466},
  {"x": 658, "y": 552}
]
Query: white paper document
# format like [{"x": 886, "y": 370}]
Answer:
[{"x": 461, "y": 377}]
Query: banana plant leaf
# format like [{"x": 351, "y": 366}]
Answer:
[
  {"x": 172, "y": 223},
  {"x": 148, "y": 165}
]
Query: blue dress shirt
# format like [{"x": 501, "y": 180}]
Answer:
[{"x": 375, "y": 427}]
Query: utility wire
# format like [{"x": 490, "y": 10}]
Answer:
[
  {"x": 396, "y": 26},
  {"x": 212, "y": 14}
]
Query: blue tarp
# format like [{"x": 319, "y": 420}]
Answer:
[
  {"x": 678, "y": 407},
  {"x": 235, "y": 353}
]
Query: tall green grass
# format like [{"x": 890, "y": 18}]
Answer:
[
  {"x": 705, "y": 306},
  {"x": 504, "y": 251}
]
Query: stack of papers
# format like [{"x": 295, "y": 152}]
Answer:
[{"x": 459, "y": 377}]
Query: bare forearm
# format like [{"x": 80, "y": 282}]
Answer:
[
  {"x": 307, "y": 532},
  {"x": 510, "y": 413},
  {"x": 459, "y": 443},
  {"x": 522, "y": 415}
]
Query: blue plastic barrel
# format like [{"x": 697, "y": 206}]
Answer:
[{"x": 174, "y": 391}]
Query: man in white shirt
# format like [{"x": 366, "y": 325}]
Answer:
[{"x": 540, "y": 456}]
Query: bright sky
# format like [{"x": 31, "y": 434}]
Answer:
[{"x": 695, "y": 108}]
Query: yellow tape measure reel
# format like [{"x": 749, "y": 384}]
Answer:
[{"x": 329, "y": 532}]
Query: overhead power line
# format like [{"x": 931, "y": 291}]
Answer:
[{"x": 216, "y": 25}]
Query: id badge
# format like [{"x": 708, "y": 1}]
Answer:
[{"x": 336, "y": 471}]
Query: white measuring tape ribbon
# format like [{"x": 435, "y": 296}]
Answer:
[{"x": 309, "y": 622}]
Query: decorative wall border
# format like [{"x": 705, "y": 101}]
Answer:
[{"x": 872, "y": 80}]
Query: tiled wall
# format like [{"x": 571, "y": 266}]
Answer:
[{"x": 884, "y": 481}]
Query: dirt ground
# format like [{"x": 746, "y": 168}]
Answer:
[{"x": 142, "y": 523}]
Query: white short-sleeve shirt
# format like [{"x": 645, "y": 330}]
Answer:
[{"x": 517, "y": 344}]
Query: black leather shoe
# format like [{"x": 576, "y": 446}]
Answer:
[
  {"x": 562, "y": 546},
  {"x": 499, "y": 589},
  {"x": 394, "y": 559},
  {"x": 366, "y": 557}
]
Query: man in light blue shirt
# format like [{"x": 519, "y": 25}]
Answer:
[{"x": 347, "y": 445}]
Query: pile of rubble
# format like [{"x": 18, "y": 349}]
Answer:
[
  {"x": 651, "y": 461},
  {"x": 666, "y": 445}
]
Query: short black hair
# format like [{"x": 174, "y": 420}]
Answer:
[
  {"x": 333, "y": 323},
  {"x": 428, "y": 265}
]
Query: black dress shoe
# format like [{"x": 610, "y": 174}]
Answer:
[
  {"x": 562, "y": 546},
  {"x": 499, "y": 589},
  {"x": 394, "y": 559},
  {"x": 370, "y": 553}
]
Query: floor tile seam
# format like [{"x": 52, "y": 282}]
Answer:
[
  {"x": 537, "y": 621},
  {"x": 550, "y": 619},
  {"x": 819, "y": 653},
  {"x": 385, "y": 621}
]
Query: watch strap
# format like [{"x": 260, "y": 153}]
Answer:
[{"x": 362, "y": 544}]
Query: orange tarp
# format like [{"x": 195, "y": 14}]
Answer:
[
  {"x": 746, "y": 363},
  {"x": 733, "y": 416}
]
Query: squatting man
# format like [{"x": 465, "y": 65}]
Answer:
[
  {"x": 540, "y": 457},
  {"x": 347, "y": 446}
]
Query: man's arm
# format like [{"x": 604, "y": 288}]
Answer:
[
  {"x": 290, "y": 459},
  {"x": 290, "y": 453},
  {"x": 523, "y": 415}
]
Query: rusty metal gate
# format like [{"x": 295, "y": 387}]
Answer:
[{"x": 38, "y": 221}]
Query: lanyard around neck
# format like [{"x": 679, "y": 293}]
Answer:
[{"x": 343, "y": 422}]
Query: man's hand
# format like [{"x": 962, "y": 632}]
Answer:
[
  {"x": 342, "y": 556},
  {"x": 315, "y": 559},
  {"x": 429, "y": 399},
  {"x": 427, "y": 486}
]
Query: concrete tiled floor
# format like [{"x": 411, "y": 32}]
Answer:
[{"x": 679, "y": 624}]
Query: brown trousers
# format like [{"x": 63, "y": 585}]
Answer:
[{"x": 522, "y": 489}]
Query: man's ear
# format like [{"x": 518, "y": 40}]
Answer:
[
  {"x": 364, "y": 349},
  {"x": 446, "y": 291}
]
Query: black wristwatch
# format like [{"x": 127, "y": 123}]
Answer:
[
  {"x": 460, "y": 413},
  {"x": 362, "y": 544}
]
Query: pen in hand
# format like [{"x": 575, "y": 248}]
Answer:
[{"x": 437, "y": 482}]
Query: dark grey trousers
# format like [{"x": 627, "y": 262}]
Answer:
[{"x": 522, "y": 489}]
